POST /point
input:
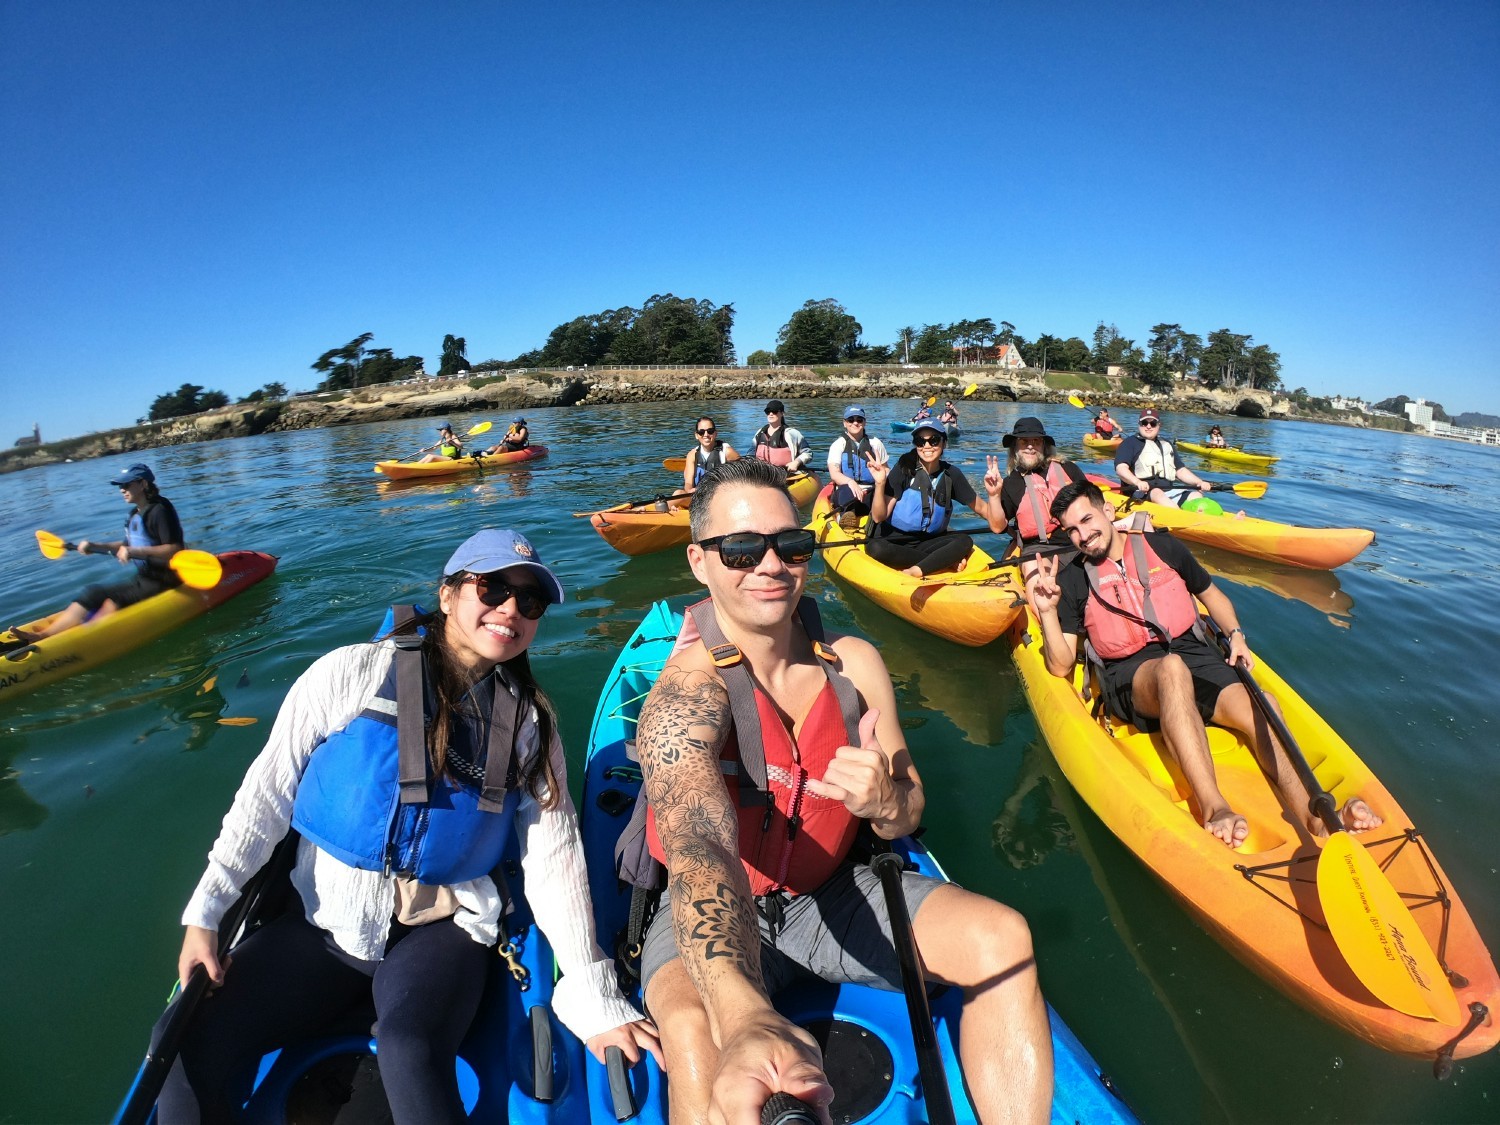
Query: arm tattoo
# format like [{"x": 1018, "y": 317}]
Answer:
[{"x": 684, "y": 723}]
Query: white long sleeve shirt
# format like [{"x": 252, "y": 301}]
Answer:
[{"x": 356, "y": 906}]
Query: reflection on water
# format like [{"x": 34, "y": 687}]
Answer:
[
  {"x": 1320, "y": 589},
  {"x": 1029, "y": 827}
]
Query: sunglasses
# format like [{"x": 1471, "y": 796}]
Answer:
[
  {"x": 495, "y": 592},
  {"x": 927, "y": 439},
  {"x": 1149, "y": 423},
  {"x": 856, "y": 421},
  {"x": 710, "y": 430},
  {"x": 741, "y": 550}
]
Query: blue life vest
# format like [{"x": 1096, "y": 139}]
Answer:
[
  {"x": 703, "y": 463},
  {"x": 852, "y": 461},
  {"x": 136, "y": 535},
  {"x": 364, "y": 801},
  {"x": 925, "y": 504}
]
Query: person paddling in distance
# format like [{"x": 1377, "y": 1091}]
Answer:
[
  {"x": 1215, "y": 439},
  {"x": 153, "y": 534},
  {"x": 709, "y": 453},
  {"x": 949, "y": 416},
  {"x": 1147, "y": 463},
  {"x": 763, "y": 894},
  {"x": 924, "y": 411},
  {"x": 912, "y": 505},
  {"x": 516, "y": 438},
  {"x": 849, "y": 460},
  {"x": 1105, "y": 426},
  {"x": 448, "y": 447},
  {"x": 1035, "y": 475},
  {"x": 393, "y": 896},
  {"x": 1131, "y": 594},
  {"x": 779, "y": 443}
]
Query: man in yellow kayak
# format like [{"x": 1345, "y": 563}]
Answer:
[
  {"x": 763, "y": 894},
  {"x": 153, "y": 534},
  {"x": 1147, "y": 463},
  {"x": 1131, "y": 595}
]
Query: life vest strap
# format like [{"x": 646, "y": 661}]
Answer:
[{"x": 411, "y": 741}]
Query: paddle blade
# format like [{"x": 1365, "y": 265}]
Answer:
[
  {"x": 970, "y": 389},
  {"x": 52, "y": 546},
  {"x": 1074, "y": 400},
  {"x": 1378, "y": 936},
  {"x": 482, "y": 428},
  {"x": 674, "y": 464},
  {"x": 1250, "y": 489},
  {"x": 197, "y": 569}
]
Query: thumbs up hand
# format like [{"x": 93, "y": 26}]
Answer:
[{"x": 860, "y": 776}]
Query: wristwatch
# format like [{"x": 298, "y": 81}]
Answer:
[{"x": 1238, "y": 630}]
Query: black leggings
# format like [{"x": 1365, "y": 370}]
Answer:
[
  {"x": 288, "y": 981},
  {"x": 936, "y": 552}
]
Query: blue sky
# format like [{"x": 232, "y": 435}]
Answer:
[{"x": 217, "y": 192}]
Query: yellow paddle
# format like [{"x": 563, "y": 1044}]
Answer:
[
  {"x": 197, "y": 569},
  {"x": 1369, "y": 923},
  {"x": 674, "y": 464},
  {"x": 970, "y": 389}
]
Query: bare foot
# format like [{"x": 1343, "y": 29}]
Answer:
[
  {"x": 914, "y": 572},
  {"x": 963, "y": 564},
  {"x": 1240, "y": 514},
  {"x": 1358, "y": 816},
  {"x": 1228, "y": 826}
]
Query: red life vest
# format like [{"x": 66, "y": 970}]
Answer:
[
  {"x": 1148, "y": 593},
  {"x": 791, "y": 839},
  {"x": 1034, "y": 517},
  {"x": 773, "y": 447}
]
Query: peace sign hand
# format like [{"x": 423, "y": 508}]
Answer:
[
  {"x": 992, "y": 475},
  {"x": 879, "y": 469},
  {"x": 1042, "y": 589}
]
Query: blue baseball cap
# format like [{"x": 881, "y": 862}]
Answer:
[
  {"x": 443, "y": 426},
  {"x": 927, "y": 424},
  {"x": 854, "y": 412},
  {"x": 494, "y": 549},
  {"x": 518, "y": 421},
  {"x": 136, "y": 472}
]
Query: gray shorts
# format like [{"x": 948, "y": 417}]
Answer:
[{"x": 840, "y": 932}]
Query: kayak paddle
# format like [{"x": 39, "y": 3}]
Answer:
[
  {"x": 1249, "y": 489},
  {"x": 888, "y": 865},
  {"x": 1369, "y": 923},
  {"x": 674, "y": 464},
  {"x": 1074, "y": 400},
  {"x": 474, "y": 431},
  {"x": 970, "y": 389},
  {"x": 197, "y": 569},
  {"x": 659, "y": 498}
]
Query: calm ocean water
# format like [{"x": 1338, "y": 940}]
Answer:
[{"x": 112, "y": 784}]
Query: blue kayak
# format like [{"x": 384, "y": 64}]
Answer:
[
  {"x": 953, "y": 428},
  {"x": 865, "y": 1032}
]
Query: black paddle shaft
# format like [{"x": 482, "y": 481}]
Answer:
[
  {"x": 1320, "y": 802},
  {"x": 888, "y": 866}
]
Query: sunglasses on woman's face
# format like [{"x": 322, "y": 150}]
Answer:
[
  {"x": 742, "y": 550},
  {"x": 495, "y": 592},
  {"x": 927, "y": 439},
  {"x": 710, "y": 430}
]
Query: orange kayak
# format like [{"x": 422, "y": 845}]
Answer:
[
  {"x": 973, "y": 606},
  {"x": 642, "y": 529},
  {"x": 417, "y": 470},
  {"x": 1093, "y": 441},
  {"x": 1242, "y": 896},
  {"x": 1316, "y": 548}
]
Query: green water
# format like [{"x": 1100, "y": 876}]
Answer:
[{"x": 112, "y": 784}]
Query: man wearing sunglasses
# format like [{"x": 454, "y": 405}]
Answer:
[
  {"x": 849, "y": 460},
  {"x": 1147, "y": 463},
  {"x": 764, "y": 892}
]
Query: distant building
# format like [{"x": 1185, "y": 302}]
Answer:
[
  {"x": 1005, "y": 356},
  {"x": 1339, "y": 402},
  {"x": 35, "y": 438},
  {"x": 1419, "y": 414}
]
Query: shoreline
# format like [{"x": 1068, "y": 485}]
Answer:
[{"x": 532, "y": 390}]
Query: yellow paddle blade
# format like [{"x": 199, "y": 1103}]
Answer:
[
  {"x": 932, "y": 400},
  {"x": 52, "y": 546},
  {"x": 970, "y": 389},
  {"x": 674, "y": 464},
  {"x": 236, "y": 721},
  {"x": 1378, "y": 936},
  {"x": 197, "y": 569},
  {"x": 1074, "y": 400},
  {"x": 1250, "y": 489},
  {"x": 483, "y": 427}
]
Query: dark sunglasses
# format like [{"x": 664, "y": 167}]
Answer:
[
  {"x": 1150, "y": 422},
  {"x": 927, "y": 440},
  {"x": 710, "y": 430},
  {"x": 741, "y": 550},
  {"x": 856, "y": 421},
  {"x": 495, "y": 592}
]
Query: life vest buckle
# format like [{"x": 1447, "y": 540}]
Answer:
[
  {"x": 823, "y": 652},
  {"x": 725, "y": 655}
]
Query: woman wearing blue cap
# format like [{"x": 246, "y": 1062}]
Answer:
[
  {"x": 394, "y": 900},
  {"x": 448, "y": 447},
  {"x": 153, "y": 534}
]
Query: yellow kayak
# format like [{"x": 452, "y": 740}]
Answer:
[
  {"x": 972, "y": 606},
  {"x": 641, "y": 529},
  {"x": 1241, "y": 896},
  {"x": 1230, "y": 456},
  {"x": 89, "y": 645},
  {"x": 408, "y": 470}
]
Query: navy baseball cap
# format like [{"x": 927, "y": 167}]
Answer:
[
  {"x": 136, "y": 472},
  {"x": 854, "y": 412},
  {"x": 927, "y": 424},
  {"x": 494, "y": 549},
  {"x": 443, "y": 426}
]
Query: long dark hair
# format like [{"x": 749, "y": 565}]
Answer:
[{"x": 451, "y": 682}]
